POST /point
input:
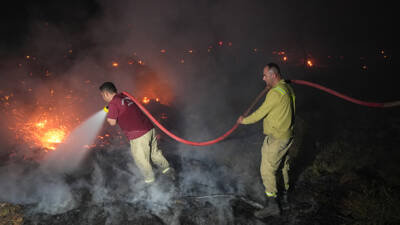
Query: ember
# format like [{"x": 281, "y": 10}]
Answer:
[
  {"x": 53, "y": 137},
  {"x": 145, "y": 100}
]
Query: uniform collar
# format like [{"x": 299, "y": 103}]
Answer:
[{"x": 282, "y": 81}]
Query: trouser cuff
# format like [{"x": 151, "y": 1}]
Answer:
[
  {"x": 148, "y": 181},
  {"x": 166, "y": 170},
  {"x": 271, "y": 194}
]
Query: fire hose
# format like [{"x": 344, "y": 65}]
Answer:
[{"x": 300, "y": 82}]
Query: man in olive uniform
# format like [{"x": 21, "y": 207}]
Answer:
[{"x": 278, "y": 114}]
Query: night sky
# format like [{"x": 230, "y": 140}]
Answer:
[
  {"x": 320, "y": 25},
  {"x": 199, "y": 66}
]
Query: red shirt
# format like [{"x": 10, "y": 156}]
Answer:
[{"x": 129, "y": 117}]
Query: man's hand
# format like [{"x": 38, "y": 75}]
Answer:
[
  {"x": 112, "y": 122},
  {"x": 240, "y": 120}
]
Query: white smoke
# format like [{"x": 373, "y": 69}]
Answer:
[{"x": 70, "y": 153}]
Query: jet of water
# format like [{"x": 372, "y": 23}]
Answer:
[{"x": 70, "y": 153}]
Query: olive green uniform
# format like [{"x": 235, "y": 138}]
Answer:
[{"x": 278, "y": 114}]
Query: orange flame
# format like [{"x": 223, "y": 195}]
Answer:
[
  {"x": 52, "y": 137},
  {"x": 309, "y": 63},
  {"x": 145, "y": 100}
]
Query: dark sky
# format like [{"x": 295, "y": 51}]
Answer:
[{"x": 319, "y": 24}]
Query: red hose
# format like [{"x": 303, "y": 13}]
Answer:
[
  {"x": 301, "y": 82},
  {"x": 173, "y": 135},
  {"x": 347, "y": 98}
]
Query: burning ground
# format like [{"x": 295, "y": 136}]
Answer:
[
  {"x": 346, "y": 174},
  {"x": 196, "y": 66}
]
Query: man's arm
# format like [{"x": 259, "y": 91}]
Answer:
[
  {"x": 270, "y": 101},
  {"x": 112, "y": 114},
  {"x": 112, "y": 122}
]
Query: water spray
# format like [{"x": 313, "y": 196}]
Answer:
[{"x": 73, "y": 150}]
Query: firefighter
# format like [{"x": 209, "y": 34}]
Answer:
[
  {"x": 278, "y": 114},
  {"x": 138, "y": 129}
]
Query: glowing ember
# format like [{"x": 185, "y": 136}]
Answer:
[
  {"x": 52, "y": 137},
  {"x": 41, "y": 124},
  {"x": 145, "y": 100}
]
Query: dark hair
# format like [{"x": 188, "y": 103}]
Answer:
[
  {"x": 274, "y": 68},
  {"x": 108, "y": 86}
]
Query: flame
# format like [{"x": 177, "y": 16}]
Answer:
[
  {"x": 52, "y": 137},
  {"x": 284, "y": 58},
  {"x": 115, "y": 64},
  {"x": 145, "y": 100},
  {"x": 41, "y": 124},
  {"x": 309, "y": 63}
]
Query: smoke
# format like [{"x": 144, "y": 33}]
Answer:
[
  {"x": 27, "y": 184},
  {"x": 69, "y": 154},
  {"x": 203, "y": 88},
  {"x": 209, "y": 87}
]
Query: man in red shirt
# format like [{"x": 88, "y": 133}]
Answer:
[{"x": 138, "y": 129}]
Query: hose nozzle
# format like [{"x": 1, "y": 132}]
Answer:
[{"x": 105, "y": 108}]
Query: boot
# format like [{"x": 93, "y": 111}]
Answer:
[
  {"x": 271, "y": 209},
  {"x": 170, "y": 173},
  {"x": 285, "y": 204}
]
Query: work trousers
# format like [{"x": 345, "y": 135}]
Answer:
[
  {"x": 273, "y": 153},
  {"x": 145, "y": 148}
]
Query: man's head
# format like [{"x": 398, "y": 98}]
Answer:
[
  {"x": 271, "y": 74},
  {"x": 108, "y": 90}
]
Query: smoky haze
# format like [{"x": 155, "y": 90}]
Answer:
[{"x": 209, "y": 90}]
